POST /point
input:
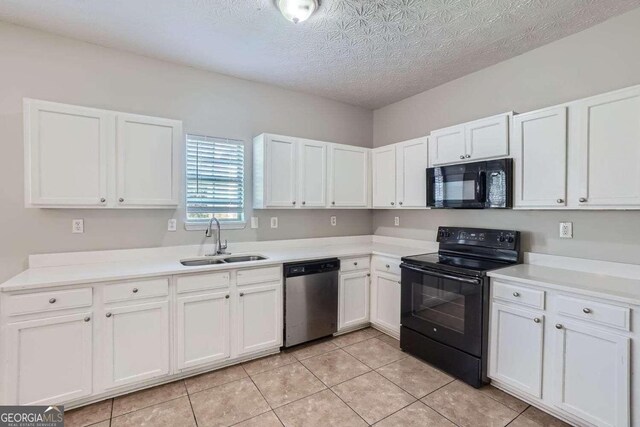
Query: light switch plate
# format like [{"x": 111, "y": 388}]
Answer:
[
  {"x": 254, "y": 222},
  {"x": 172, "y": 224},
  {"x": 274, "y": 222},
  {"x": 77, "y": 226},
  {"x": 396, "y": 221},
  {"x": 334, "y": 220},
  {"x": 566, "y": 230}
]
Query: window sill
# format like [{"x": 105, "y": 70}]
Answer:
[{"x": 201, "y": 226}]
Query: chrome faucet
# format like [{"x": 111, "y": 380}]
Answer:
[{"x": 220, "y": 249}]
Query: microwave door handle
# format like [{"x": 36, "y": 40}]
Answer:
[
  {"x": 442, "y": 275},
  {"x": 481, "y": 187}
]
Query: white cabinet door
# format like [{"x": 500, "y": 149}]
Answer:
[
  {"x": 148, "y": 161},
  {"x": 202, "y": 329},
  {"x": 348, "y": 176},
  {"x": 65, "y": 154},
  {"x": 412, "y": 161},
  {"x": 487, "y": 138},
  {"x": 383, "y": 162},
  {"x": 49, "y": 361},
  {"x": 447, "y": 145},
  {"x": 592, "y": 374},
  {"x": 610, "y": 149},
  {"x": 136, "y": 343},
  {"x": 281, "y": 171},
  {"x": 516, "y": 348},
  {"x": 385, "y": 302},
  {"x": 312, "y": 174},
  {"x": 539, "y": 149},
  {"x": 258, "y": 318},
  {"x": 353, "y": 299}
]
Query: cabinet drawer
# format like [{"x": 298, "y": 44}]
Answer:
[
  {"x": 259, "y": 275},
  {"x": 202, "y": 282},
  {"x": 136, "y": 290},
  {"x": 519, "y": 295},
  {"x": 49, "y": 301},
  {"x": 387, "y": 265},
  {"x": 595, "y": 312},
  {"x": 354, "y": 264}
]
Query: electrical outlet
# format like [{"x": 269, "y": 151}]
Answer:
[
  {"x": 334, "y": 220},
  {"x": 566, "y": 230},
  {"x": 274, "y": 222},
  {"x": 254, "y": 222},
  {"x": 172, "y": 224},
  {"x": 396, "y": 221},
  {"x": 77, "y": 226}
]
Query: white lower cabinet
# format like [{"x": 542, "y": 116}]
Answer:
[
  {"x": 48, "y": 360},
  {"x": 591, "y": 369},
  {"x": 385, "y": 310},
  {"x": 353, "y": 299},
  {"x": 259, "y": 317},
  {"x": 135, "y": 343},
  {"x": 517, "y": 342},
  {"x": 202, "y": 329}
]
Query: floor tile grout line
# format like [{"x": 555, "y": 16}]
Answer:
[
  {"x": 404, "y": 407},
  {"x": 504, "y": 404},
  {"x": 148, "y": 406},
  {"x": 193, "y": 412},
  {"x": 349, "y": 406}
]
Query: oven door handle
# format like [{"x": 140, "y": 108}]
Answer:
[{"x": 442, "y": 275}]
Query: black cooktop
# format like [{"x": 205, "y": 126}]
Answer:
[{"x": 456, "y": 264}]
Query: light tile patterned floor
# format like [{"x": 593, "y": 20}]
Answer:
[{"x": 357, "y": 379}]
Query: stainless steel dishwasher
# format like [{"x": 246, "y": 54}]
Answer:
[{"x": 310, "y": 300}]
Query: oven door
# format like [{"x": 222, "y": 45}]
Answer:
[
  {"x": 457, "y": 186},
  {"x": 443, "y": 306}
]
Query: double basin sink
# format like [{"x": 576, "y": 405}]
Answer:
[{"x": 194, "y": 262}]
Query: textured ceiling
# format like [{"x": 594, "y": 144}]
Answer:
[{"x": 364, "y": 52}]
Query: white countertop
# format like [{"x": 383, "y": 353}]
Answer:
[
  {"x": 64, "y": 275},
  {"x": 622, "y": 289}
]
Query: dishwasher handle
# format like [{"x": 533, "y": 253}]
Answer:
[{"x": 311, "y": 267}]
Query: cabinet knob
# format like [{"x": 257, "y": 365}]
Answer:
[
  {"x": 241, "y": 294},
  {"x": 400, "y": 203},
  {"x": 368, "y": 274},
  {"x": 536, "y": 320},
  {"x": 586, "y": 310},
  {"x": 462, "y": 157},
  {"x": 560, "y": 200},
  {"x": 108, "y": 314},
  {"x": 52, "y": 301},
  {"x": 102, "y": 200},
  {"x": 387, "y": 266},
  {"x": 226, "y": 296},
  {"x": 333, "y": 203},
  {"x": 293, "y": 203},
  {"x": 121, "y": 200},
  {"x": 468, "y": 156},
  {"x": 558, "y": 326},
  {"x": 393, "y": 203},
  {"x": 516, "y": 294},
  {"x": 304, "y": 203},
  {"x": 135, "y": 290},
  {"x": 86, "y": 319},
  {"x": 582, "y": 199},
  {"x": 355, "y": 263}
]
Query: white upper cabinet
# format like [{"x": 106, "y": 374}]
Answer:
[
  {"x": 412, "y": 161},
  {"x": 88, "y": 158},
  {"x": 383, "y": 161},
  {"x": 473, "y": 141},
  {"x": 65, "y": 155},
  {"x": 539, "y": 149},
  {"x": 147, "y": 158},
  {"x": 281, "y": 167},
  {"x": 348, "y": 176},
  {"x": 312, "y": 174},
  {"x": 609, "y": 150}
]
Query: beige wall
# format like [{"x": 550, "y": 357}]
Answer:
[
  {"x": 43, "y": 66},
  {"x": 602, "y": 58}
]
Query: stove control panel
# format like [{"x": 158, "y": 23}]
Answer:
[{"x": 498, "y": 239}]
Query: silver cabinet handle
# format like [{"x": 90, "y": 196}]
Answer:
[
  {"x": 468, "y": 156},
  {"x": 582, "y": 199},
  {"x": 121, "y": 200},
  {"x": 135, "y": 290},
  {"x": 560, "y": 200},
  {"x": 86, "y": 319},
  {"x": 226, "y": 296},
  {"x": 516, "y": 294},
  {"x": 462, "y": 157},
  {"x": 558, "y": 326},
  {"x": 537, "y": 320},
  {"x": 52, "y": 300},
  {"x": 108, "y": 314},
  {"x": 103, "y": 200},
  {"x": 586, "y": 310},
  {"x": 241, "y": 294}
]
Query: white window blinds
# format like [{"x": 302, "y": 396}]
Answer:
[{"x": 215, "y": 179}]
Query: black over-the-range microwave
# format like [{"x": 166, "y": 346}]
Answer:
[{"x": 477, "y": 185}]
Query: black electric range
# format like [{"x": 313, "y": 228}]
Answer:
[{"x": 445, "y": 299}]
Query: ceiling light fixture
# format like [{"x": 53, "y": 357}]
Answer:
[{"x": 297, "y": 10}]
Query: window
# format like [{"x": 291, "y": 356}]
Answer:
[{"x": 215, "y": 179}]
